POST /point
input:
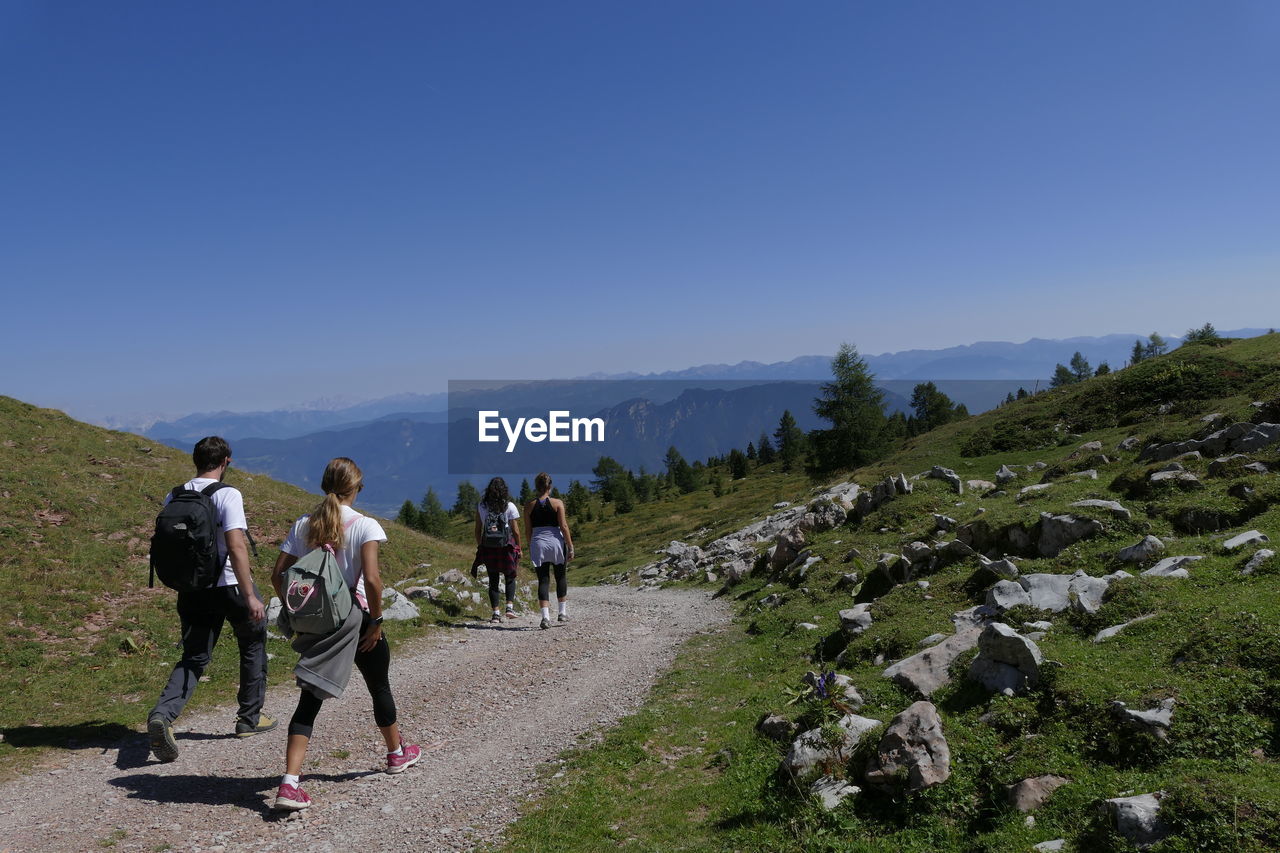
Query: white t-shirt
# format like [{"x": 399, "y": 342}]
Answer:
[
  {"x": 230, "y": 505},
  {"x": 364, "y": 529},
  {"x": 512, "y": 514}
]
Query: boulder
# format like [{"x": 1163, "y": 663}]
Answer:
[
  {"x": 1171, "y": 567},
  {"x": 776, "y": 727},
  {"x": 1027, "y": 491},
  {"x": 1259, "y": 557},
  {"x": 1030, "y": 794},
  {"x": 1142, "y": 551},
  {"x": 1004, "y": 568},
  {"x": 1053, "y": 846},
  {"x": 1182, "y": 479},
  {"x": 1047, "y": 591},
  {"x": 1005, "y": 595},
  {"x": 943, "y": 522},
  {"x": 1130, "y": 443},
  {"x": 1090, "y": 447},
  {"x": 836, "y": 684},
  {"x": 926, "y": 671},
  {"x": 1251, "y": 537},
  {"x": 1005, "y": 474},
  {"x": 1137, "y": 819},
  {"x": 1156, "y": 721},
  {"x": 454, "y": 576},
  {"x": 1086, "y": 593},
  {"x": 831, "y": 792},
  {"x": 789, "y": 544},
  {"x": 1112, "y": 507},
  {"x": 811, "y": 752},
  {"x": 397, "y": 607},
  {"x": 913, "y": 750},
  {"x": 980, "y": 486},
  {"x": 1059, "y": 531},
  {"x": 1006, "y": 661},
  {"x": 856, "y": 619},
  {"x": 430, "y": 593}
]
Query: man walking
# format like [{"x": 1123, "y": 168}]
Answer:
[{"x": 202, "y": 612}]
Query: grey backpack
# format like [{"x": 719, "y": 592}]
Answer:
[{"x": 316, "y": 595}]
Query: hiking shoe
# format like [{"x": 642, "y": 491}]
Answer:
[
  {"x": 563, "y": 617},
  {"x": 545, "y": 623},
  {"x": 495, "y": 619},
  {"x": 511, "y": 614},
  {"x": 163, "y": 746},
  {"x": 291, "y": 798},
  {"x": 265, "y": 724},
  {"x": 399, "y": 763}
]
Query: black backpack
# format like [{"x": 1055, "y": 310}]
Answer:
[
  {"x": 496, "y": 531},
  {"x": 184, "y": 549}
]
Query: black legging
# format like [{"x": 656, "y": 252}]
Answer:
[
  {"x": 375, "y": 667},
  {"x": 494, "y": 595},
  {"x": 544, "y": 581}
]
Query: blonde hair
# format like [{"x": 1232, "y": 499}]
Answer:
[{"x": 342, "y": 478}]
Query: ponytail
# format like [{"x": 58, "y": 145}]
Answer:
[{"x": 342, "y": 478}]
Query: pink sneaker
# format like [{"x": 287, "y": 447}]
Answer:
[
  {"x": 291, "y": 798},
  {"x": 399, "y": 763}
]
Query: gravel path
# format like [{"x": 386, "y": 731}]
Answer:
[{"x": 496, "y": 702}]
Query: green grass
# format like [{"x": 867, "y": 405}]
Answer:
[{"x": 81, "y": 629}]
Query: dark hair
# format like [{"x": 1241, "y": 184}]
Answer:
[
  {"x": 496, "y": 495},
  {"x": 542, "y": 482},
  {"x": 210, "y": 452}
]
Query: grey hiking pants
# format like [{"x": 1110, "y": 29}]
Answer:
[{"x": 203, "y": 613}]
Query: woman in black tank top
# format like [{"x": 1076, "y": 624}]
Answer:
[{"x": 550, "y": 547}]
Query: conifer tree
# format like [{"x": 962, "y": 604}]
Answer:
[
  {"x": 855, "y": 408},
  {"x": 1103, "y": 369},
  {"x": 751, "y": 451},
  {"x": 1205, "y": 334},
  {"x": 790, "y": 441},
  {"x": 1139, "y": 353},
  {"x": 765, "y": 450},
  {"x": 526, "y": 492},
  {"x": 1062, "y": 375},
  {"x": 578, "y": 500},
  {"x": 468, "y": 497},
  {"x": 932, "y": 407},
  {"x": 738, "y": 464},
  {"x": 1156, "y": 345},
  {"x": 408, "y": 515},
  {"x": 433, "y": 520},
  {"x": 1080, "y": 368}
]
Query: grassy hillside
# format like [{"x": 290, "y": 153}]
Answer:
[
  {"x": 689, "y": 772},
  {"x": 86, "y": 645}
]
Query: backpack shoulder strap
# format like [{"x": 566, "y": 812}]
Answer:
[{"x": 208, "y": 490}]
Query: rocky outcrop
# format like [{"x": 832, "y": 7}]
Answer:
[
  {"x": 913, "y": 751},
  {"x": 926, "y": 671},
  {"x": 776, "y": 727},
  {"x": 1260, "y": 557},
  {"x": 1057, "y": 532},
  {"x": 855, "y": 620},
  {"x": 812, "y": 754},
  {"x": 1171, "y": 567},
  {"x": 1251, "y": 537},
  {"x": 937, "y": 472},
  {"x": 1240, "y": 437},
  {"x": 1112, "y": 507},
  {"x": 883, "y": 491}
]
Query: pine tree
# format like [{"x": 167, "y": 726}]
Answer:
[
  {"x": 468, "y": 497},
  {"x": 609, "y": 478},
  {"x": 1205, "y": 334},
  {"x": 433, "y": 520},
  {"x": 751, "y": 451},
  {"x": 408, "y": 515},
  {"x": 1103, "y": 369},
  {"x": 1062, "y": 375},
  {"x": 738, "y": 464},
  {"x": 1139, "y": 353},
  {"x": 526, "y": 493},
  {"x": 1080, "y": 368},
  {"x": 765, "y": 451},
  {"x": 790, "y": 441},
  {"x": 855, "y": 408},
  {"x": 932, "y": 407},
  {"x": 578, "y": 500}
]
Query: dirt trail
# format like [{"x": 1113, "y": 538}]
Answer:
[{"x": 499, "y": 702}]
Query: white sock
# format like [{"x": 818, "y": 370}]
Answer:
[
  {"x": 564, "y": 608},
  {"x": 290, "y": 779},
  {"x": 399, "y": 750},
  {"x": 546, "y": 613}
]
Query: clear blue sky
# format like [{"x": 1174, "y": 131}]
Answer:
[{"x": 250, "y": 205}]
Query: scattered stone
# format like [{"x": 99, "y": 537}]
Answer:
[
  {"x": 1006, "y": 660},
  {"x": 913, "y": 747},
  {"x": 1138, "y": 818},
  {"x": 397, "y": 607},
  {"x": 773, "y": 599},
  {"x": 782, "y": 504},
  {"x": 1130, "y": 443},
  {"x": 454, "y": 576},
  {"x": 1183, "y": 479},
  {"x": 1048, "y": 591},
  {"x": 430, "y": 593},
  {"x": 1086, "y": 593},
  {"x": 943, "y": 522},
  {"x": 982, "y": 486},
  {"x": 932, "y": 640},
  {"x": 1251, "y": 537},
  {"x": 1005, "y": 474},
  {"x": 951, "y": 477},
  {"x": 1171, "y": 567},
  {"x": 1149, "y": 547},
  {"x": 1110, "y": 506},
  {"x": 831, "y": 792},
  {"x": 789, "y": 544},
  {"x": 1090, "y": 447},
  {"x": 776, "y": 727},
  {"x": 1030, "y": 794},
  {"x": 1156, "y": 721},
  {"x": 1053, "y": 846},
  {"x": 1035, "y": 489},
  {"x": 808, "y": 626},
  {"x": 926, "y": 671},
  {"x": 1107, "y": 633},
  {"x": 1255, "y": 562},
  {"x": 856, "y": 619}
]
